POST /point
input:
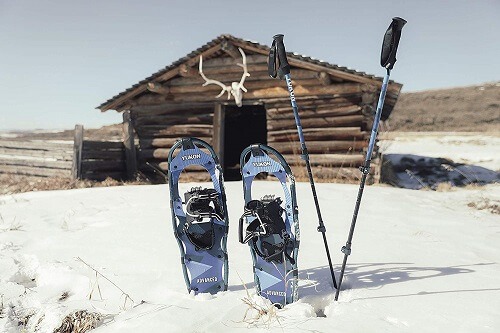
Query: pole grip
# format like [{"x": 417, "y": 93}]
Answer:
[
  {"x": 277, "y": 58},
  {"x": 391, "y": 42}
]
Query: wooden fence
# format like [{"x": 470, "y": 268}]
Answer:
[
  {"x": 42, "y": 158},
  {"x": 78, "y": 159}
]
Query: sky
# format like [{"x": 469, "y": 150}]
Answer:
[{"x": 60, "y": 59}]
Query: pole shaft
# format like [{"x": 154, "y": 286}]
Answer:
[
  {"x": 366, "y": 170},
  {"x": 305, "y": 156}
]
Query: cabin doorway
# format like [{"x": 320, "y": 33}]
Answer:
[{"x": 243, "y": 126}]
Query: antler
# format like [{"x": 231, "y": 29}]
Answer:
[
  {"x": 245, "y": 70},
  {"x": 210, "y": 81}
]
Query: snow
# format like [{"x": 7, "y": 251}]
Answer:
[
  {"x": 422, "y": 261},
  {"x": 476, "y": 149}
]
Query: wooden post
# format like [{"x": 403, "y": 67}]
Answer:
[
  {"x": 218, "y": 132},
  {"x": 129, "y": 144},
  {"x": 76, "y": 168}
]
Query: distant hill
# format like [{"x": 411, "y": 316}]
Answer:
[{"x": 462, "y": 109}]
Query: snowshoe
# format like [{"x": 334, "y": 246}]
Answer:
[
  {"x": 271, "y": 227},
  {"x": 200, "y": 222}
]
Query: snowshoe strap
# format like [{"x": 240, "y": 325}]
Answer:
[
  {"x": 199, "y": 226},
  {"x": 267, "y": 224}
]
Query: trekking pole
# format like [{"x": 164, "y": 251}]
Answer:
[
  {"x": 387, "y": 60},
  {"x": 277, "y": 54}
]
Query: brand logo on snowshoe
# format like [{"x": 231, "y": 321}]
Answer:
[
  {"x": 191, "y": 157},
  {"x": 275, "y": 293},
  {"x": 290, "y": 89},
  {"x": 261, "y": 164},
  {"x": 207, "y": 279}
]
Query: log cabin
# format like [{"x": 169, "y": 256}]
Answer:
[{"x": 186, "y": 98}]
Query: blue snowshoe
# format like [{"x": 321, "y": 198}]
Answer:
[
  {"x": 271, "y": 226},
  {"x": 200, "y": 221}
]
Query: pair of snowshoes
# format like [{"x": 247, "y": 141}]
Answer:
[{"x": 269, "y": 225}]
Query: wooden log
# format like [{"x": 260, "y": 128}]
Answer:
[
  {"x": 174, "y": 130},
  {"x": 102, "y": 145},
  {"x": 315, "y": 134},
  {"x": 159, "y": 88},
  {"x": 227, "y": 61},
  {"x": 171, "y": 108},
  {"x": 230, "y": 49},
  {"x": 38, "y": 145},
  {"x": 163, "y": 142},
  {"x": 232, "y": 68},
  {"x": 46, "y": 154},
  {"x": 187, "y": 71},
  {"x": 174, "y": 120},
  {"x": 322, "y": 146},
  {"x": 34, "y": 171},
  {"x": 103, "y": 165},
  {"x": 327, "y": 160},
  {"x": 236, "y": 76},
  {"x": 339, "y": 111},
  {"x": 327, "y": 122},
  {"x": 316, "y": 91},
  {"x": 324, "y": 78},
  {"x": 129, "y": 145},
  {"x": 36, "y": 163},
  {"x": 250, "y": 85},
  {"x": 103, "y": 155}
]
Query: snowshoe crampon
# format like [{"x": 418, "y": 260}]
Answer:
[
  {"x": 200, "y": 221},
  {"x": 270, "y": 226}
]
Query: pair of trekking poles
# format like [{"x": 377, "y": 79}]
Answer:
[{"x": 279, "y": 67}]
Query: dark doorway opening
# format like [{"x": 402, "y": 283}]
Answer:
[{"x": 242, "y": 127}]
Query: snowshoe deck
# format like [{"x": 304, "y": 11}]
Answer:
[
  {"x": 200, "y": 222},
  {"x": 271, "y": 226}
]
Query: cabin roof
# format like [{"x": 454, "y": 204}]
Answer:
[{"x": 191, "y": 59}]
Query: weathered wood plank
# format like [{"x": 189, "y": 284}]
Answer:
[
  {"x": 103, "y": 155},
  {"x": 175, "y": 130},
  {"x": 36, "y": 163},
  {"x": 104, "y": 165},
  {"x": 164, "y": 142},
  {"x": 339, "y": 111},
  {"x": 76, "y": 168},
  {"x": 327, "y": 160},
  {"x": 104, "y": 145},
  {"x": 316, "y": 147},
  {"x": 318, "y": 134},
  {"x": 236, "y": 76},
  {"x": 327, "y": 122},
  {"x": 54, "y": 155},
  {"x": 34, "y": 171},
  {"x": 129, "y": 146},
  {"x": 174, "y": 120},
  {"x": 37, "y": 145}
]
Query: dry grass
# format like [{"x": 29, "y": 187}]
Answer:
[
  {"x": 491, "y": 205},
  {"x": 79, "y": 322},
  {"x": 11, "y": 184}
]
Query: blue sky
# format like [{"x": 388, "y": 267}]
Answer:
[{"x": 60, "y": 59}]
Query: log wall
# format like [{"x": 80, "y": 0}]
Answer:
[
  {"x": 158, "y": 131},
  {"x": 336, "y": 114}
]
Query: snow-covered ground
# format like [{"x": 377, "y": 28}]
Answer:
[{"x": 422, "y": 261}]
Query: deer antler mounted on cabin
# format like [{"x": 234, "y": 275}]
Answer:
[{"x": 236, "y": 89}]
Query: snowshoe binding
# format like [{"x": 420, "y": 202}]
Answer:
[
  {"x": 271, "y": 227},
  {"x": 200, "y": 222}
]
